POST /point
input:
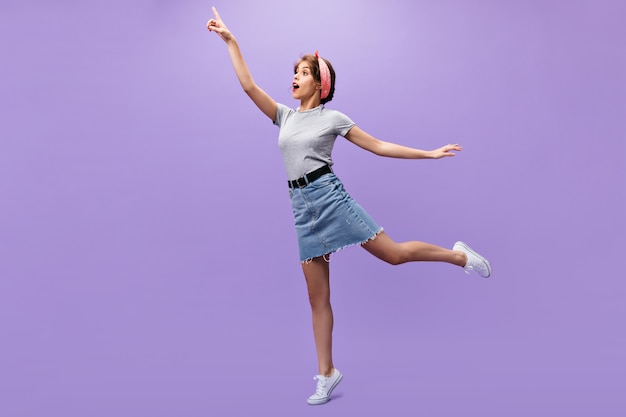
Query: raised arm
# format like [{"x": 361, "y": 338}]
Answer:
[
  {"x": 368, "y": 142},
  {"x": 263, "y": 101}
]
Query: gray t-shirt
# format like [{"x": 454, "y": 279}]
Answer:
[{"x": 306, "y": 138}]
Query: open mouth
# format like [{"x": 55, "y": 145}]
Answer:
[{"x": 295, "y": 86}]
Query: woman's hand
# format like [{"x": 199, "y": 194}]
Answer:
[
  {"x": 217, "y": 25},
  {"x": 445, "y": 151}
]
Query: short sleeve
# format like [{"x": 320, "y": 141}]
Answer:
[
  {"x": 282, "y": 112},
  {"x": 342, "y": 123}
]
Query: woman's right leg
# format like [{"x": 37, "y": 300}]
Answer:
[
  {"x": 384, "y": 248},
  {"x": 317, "y": 274}
]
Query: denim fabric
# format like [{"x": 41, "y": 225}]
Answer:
[{"x": 327, "y": 219}]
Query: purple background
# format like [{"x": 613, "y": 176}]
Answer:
[{"x": 148, "y": 261}]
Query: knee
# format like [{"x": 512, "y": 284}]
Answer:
[
  {"x": 394, "y": 259},
  {"x": 319, "y": 299},
  {"x": 389, "y": 252}
]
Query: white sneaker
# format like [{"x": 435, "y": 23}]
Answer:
[
  {"x": 475, "y": 262},
  {"x": 325, "y": 386}
]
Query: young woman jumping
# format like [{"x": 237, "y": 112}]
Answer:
[{"x": 327, "y": 219}]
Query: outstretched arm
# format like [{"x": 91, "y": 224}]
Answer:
[
  {"x": 368, "y": 142},
  {"x": 263, "y": 101}
]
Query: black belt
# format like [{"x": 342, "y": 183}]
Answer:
[{"x": 310, "y": 177}]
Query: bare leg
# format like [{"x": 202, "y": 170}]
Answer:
[
  {"x": 317, "y": 274},
  {"x": 384, "y": 248}
]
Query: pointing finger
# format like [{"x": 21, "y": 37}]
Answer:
[{"x": 217, "y": 15}]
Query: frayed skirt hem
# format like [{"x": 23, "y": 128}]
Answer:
[{"x": 326, "y": 255}]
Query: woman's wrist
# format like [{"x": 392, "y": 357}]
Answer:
[{"x": 428, "y": 154}]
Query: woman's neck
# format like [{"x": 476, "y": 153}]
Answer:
[{"x": 308, "y": 104}]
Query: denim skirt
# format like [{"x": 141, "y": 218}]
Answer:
[{"x": 327, "y": 219}]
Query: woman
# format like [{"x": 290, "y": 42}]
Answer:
[{"x": 327, "y": 219}]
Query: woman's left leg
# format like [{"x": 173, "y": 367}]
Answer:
[
  {"x": 317, "y": 274},
  {"x": 384, "y": 248},
  {"x": 317, "y": 277}
]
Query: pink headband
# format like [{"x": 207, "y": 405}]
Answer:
[{"x": 324, "y": 76}]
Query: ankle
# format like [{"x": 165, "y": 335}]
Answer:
[
  {"x": 327, "y": 372},
  {"x": 461, "y": 258}
]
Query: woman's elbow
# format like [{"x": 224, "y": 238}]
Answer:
[{"x": 379, "y": 149}]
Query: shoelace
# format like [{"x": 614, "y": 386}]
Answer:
[
  {"x": 475, "y": 266},
  {"x": 320, "y": 389}
]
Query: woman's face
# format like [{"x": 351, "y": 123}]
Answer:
[{"x": 304, "y": 85}]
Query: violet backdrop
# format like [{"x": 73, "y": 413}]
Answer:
[{"x": 148, "y": 262}]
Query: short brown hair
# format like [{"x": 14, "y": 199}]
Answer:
[{"x": 315, "y": 71}]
